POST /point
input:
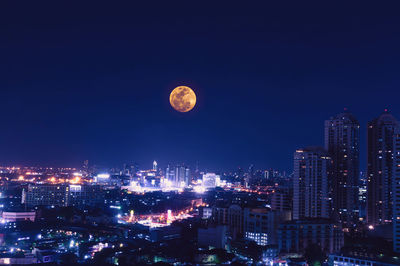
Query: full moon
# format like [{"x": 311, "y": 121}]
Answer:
[{"x": 182, "y": 99}]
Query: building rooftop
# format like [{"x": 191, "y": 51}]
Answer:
[
  {"x": 310, "y": 221},
  {"x": 368, "y": 255},
  {"x": 345, "y": 116}
]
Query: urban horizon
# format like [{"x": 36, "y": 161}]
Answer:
[{"x": 192, "y": 162}]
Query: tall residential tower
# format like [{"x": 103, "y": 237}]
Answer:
[
  {"x": 342, "y": 144},
  {"x": 380, "y": 140},
  {"x": 311, "y": 184},
  {"x": 396, "y": 193}
]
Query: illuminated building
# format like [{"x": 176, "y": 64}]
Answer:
[
  {"x": 18, "y": 216},
  {"x": 12, "y": 259},
  {"x": 64, "y": 195},
  {"x": 261, "y": 224},
  {"x": 169, "y": 216},
  {"x": 396, "y": 194},
  {"x": 260, "y": 238},
  {"x": 182, "y": 175},
  {"x": 310, "y": 184},
  {"x": 210, "y": 180},
  {"x": 267, "y": 174},
  {"x": 102, "y": 178},
  {"x": 155, "y": 166},
  {"x": 362, "y": 195},
  {"x": 179, "y": 176},
  {"x": 85, "y": 195},
  {"x": 170, "y": 174},
  {"x": 148, "y": 179},
  {"x": 205, "y": 212},
  {"x": 295, "y": 236},
  {"x": 342, "y": 144},
  {"x": 258, "y": 224},
  {"x": 380, "y": 140},
  {"x": 129, "y": 170},
  {"x": 47, "y": 194},
  {"x": 361, "y": 257},
  {"x": 85, "y": 167}
]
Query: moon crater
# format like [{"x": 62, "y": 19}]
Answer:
[{"x": 182, "y": 99}]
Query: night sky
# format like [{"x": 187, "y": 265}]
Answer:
[{"x": 91, "y": 81}]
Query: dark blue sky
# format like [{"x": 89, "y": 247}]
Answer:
[{"x": 91, "y": 81}]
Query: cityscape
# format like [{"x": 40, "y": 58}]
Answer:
[
  {"x": 326, "y": 211},
  {"x": 171, "y": 133}
]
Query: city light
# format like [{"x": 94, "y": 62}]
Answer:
[
  {"x": 103, "y": 176},
  {"x": 199, "y": 189}
]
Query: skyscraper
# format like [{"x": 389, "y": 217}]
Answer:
[
  {"x": 179, "y": 176},
  {"x": 85, "y": 168},
  {"x": 396, "y": 193},
  {"x": 170, "y": 174},
  {"x": 182, "y": 176},
  {"x": 251, "y": 170},
  {"x": 380, "y": 139},
  {"x": 310, "y": 184},
  {"x": 342, "y": 144}
]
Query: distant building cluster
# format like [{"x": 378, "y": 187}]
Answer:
[{"x": 179, "y": 175}]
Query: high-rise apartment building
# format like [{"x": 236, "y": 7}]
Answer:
[
  {"x": 311, "y": 193},
  {"x": 396, "y": 193},
  {"x": 342, "y": 144},
  {"x": 380, "y": 140}
]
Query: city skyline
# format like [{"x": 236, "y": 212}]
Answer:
[{"x": 363, "y": 164}]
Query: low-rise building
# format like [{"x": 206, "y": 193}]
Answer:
[
  {"x": 295, "y": 236},
  {"x": 210, "y": 180},
  {"x": 281, "y": 200},
  {"x": 205, "y": 212},
  {"x": 64, "y": 195},
  {"x": 213, "y": 236},
  {"x": 258, "y": 224},
  {"x": 220, "y": 215},
  {"x": 360, "y": 258},
  {"x": 20, "y": 259},
  {"x": 14, "y": 216},
  {"x": 261, "y": 224},
  {"x": 161, "y": 234}
]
